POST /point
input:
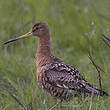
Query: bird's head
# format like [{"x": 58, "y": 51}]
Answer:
[{"x": 39, "y": 29}]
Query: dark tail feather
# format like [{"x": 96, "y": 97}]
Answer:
[
  {"x": 102, "y": 93},
  {"x": 92, "y": 90}
]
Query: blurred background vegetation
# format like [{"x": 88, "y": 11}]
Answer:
[{"x": 76, "y": 27}]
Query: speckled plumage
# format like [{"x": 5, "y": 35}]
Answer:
[
  {"x": 63, "y": 81},
  {"x": 53, "y": 75}
]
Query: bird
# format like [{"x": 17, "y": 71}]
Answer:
[{"x": 54, "y": 76}]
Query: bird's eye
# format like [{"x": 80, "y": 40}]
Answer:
[{"x": 37, "y": 28}]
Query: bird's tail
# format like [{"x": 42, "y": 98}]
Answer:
[
  {"x": 102, "y": 93},
  {"x": 92, "y": 90}
]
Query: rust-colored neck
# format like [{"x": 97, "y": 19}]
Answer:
[
  {"x": 43, "y": 50},
  {"x": 44, "y": 45}
]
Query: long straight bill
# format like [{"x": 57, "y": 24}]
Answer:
[{"x": 20, "y": 37}]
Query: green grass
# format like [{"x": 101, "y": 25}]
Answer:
[{"x": 76, "y": 28}]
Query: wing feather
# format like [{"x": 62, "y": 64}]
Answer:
[{"x": 64, "y": 76}]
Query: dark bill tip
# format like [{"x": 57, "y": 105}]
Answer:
[{"x": 11, "y": 40}]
